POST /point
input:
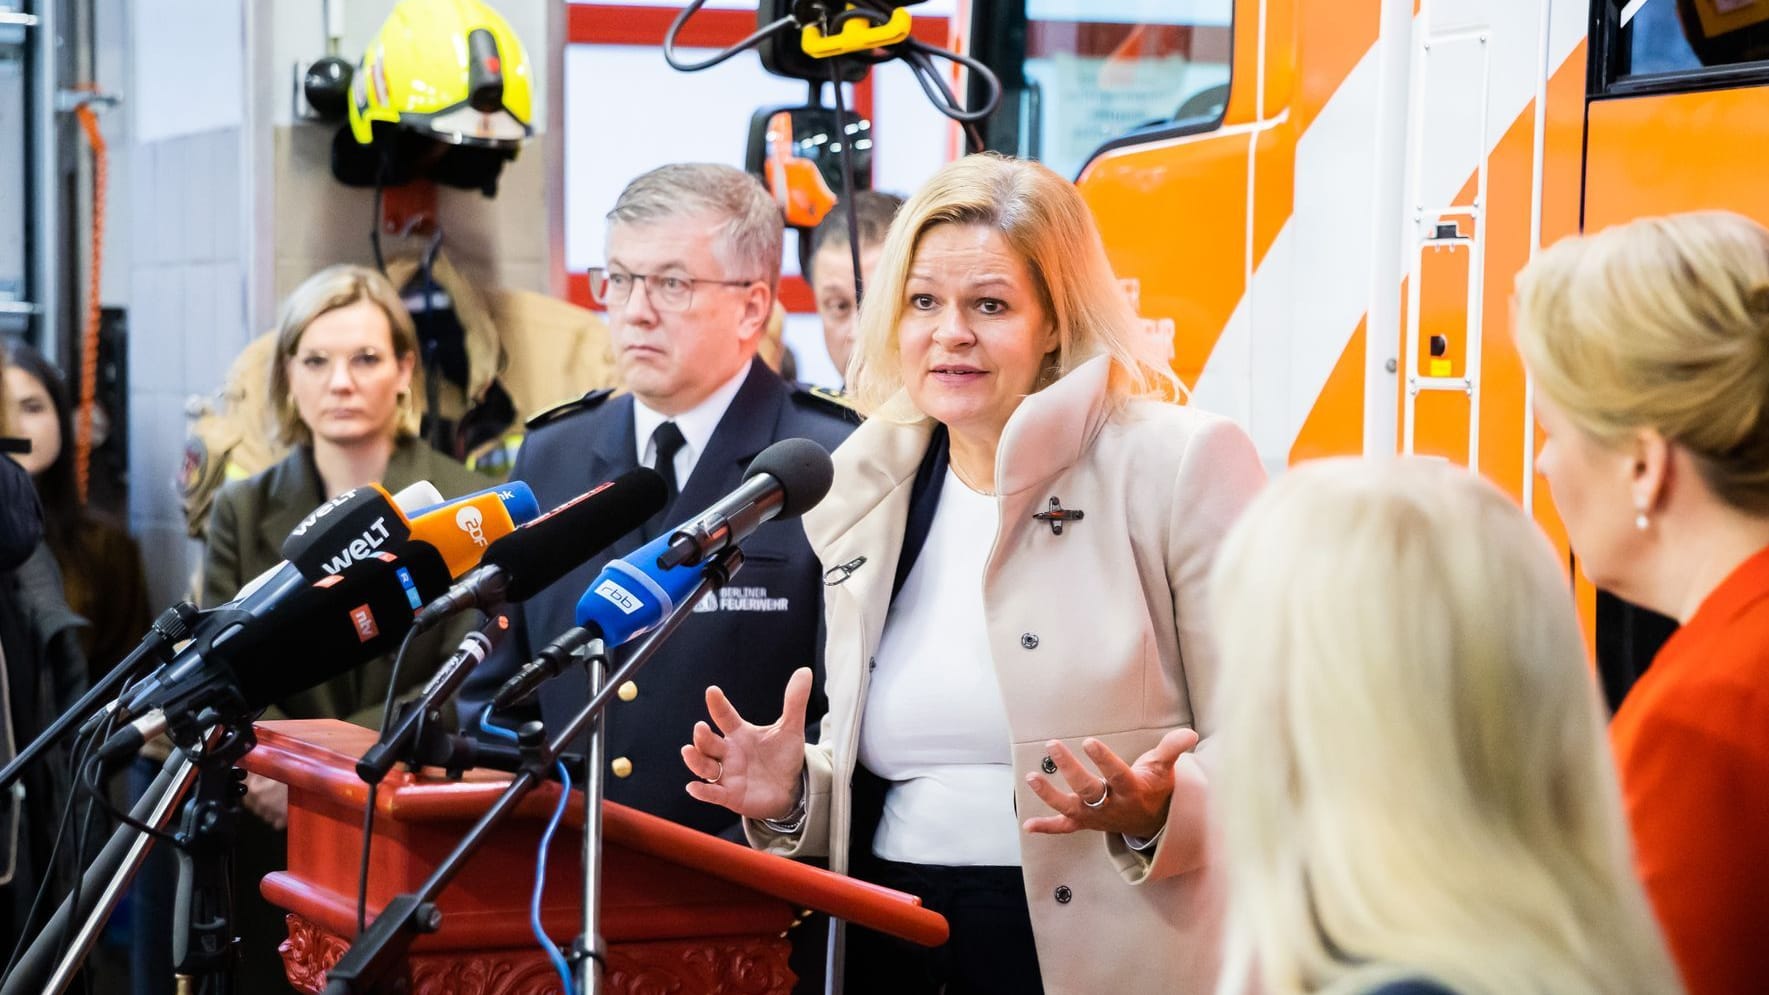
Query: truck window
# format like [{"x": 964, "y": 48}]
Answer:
[
  {"x": 1655, "y": 46},
  {"x": 1082, "y": 74}
]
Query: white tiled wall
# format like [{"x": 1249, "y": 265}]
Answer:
[{"x": 187, "y": 321}]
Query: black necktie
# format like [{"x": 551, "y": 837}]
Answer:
[{"x": 667, "y": 440}]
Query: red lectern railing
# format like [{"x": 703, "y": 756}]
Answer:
[{"x": 682, "y": 911}]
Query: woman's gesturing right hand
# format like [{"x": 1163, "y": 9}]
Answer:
[{"x": 752, "y": 770}]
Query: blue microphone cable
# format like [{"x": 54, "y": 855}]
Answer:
[{"x": 560, "y": 964}]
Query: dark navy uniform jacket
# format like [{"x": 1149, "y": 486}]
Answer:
[{"x": 766, "y": 624}]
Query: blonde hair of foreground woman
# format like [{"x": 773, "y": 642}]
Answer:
[{"x": 1414, "y": 777}]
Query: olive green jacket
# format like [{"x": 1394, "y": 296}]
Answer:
[{"x": 247, "y": 526}]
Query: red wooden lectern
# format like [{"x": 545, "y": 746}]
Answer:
[{"x": 682, "y": 911}]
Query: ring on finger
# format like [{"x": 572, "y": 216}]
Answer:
[
  {"x": 1105, "y": 792},
  {"x": 715, "y": 778}
]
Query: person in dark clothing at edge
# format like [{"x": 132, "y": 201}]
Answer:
[
  {"x": 42, "y": 673},
  {"x": 102, "y": 574}
]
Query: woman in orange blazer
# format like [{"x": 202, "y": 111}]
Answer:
[{"x": 1650, "y": 345}]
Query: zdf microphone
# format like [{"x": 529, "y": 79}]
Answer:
[{"x": 463, "y": 529}]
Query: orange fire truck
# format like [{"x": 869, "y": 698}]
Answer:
[
  {"x": 1327, "y": 202},
  {"x": 1332, "y": 220}
]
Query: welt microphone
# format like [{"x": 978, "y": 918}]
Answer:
[
  {"x": 360, "y": 521},
  {"x": 345, "y": 530},
  {"x": 537, "y": 555},
  {"x": 453, "y": 533},
  {"x": 317, "y": 632},
  {"x": 636, "y": 593}
]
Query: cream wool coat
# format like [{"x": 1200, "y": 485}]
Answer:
[{"x": 1100, "y": 631}]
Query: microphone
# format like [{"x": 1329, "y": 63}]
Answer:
[
  {"x": 516, "y": 496},
  {"x": 345, "y": 530},
  {"x": 439, "y": 529},
  {"x": 463, "y": 529},
  {"x": 421, "y": 496},
  {"x": 635, "y": 594},
  {"x": 630, "y": 597},
  {"x": 537, "y": 555},
  {"x": 448, "y": 679},
  {"x": 317, "y": 632},
  {"x": 785, "y": 481}
]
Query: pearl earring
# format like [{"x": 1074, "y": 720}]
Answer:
[{"x": 1640, "y": 520}]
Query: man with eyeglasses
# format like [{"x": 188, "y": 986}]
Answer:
[{"x": 693, "y": 265}]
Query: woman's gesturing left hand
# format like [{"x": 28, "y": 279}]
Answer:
[{"x": 1122, "y": 798}]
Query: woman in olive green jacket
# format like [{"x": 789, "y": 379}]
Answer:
[{"x": 342, "y": 385}]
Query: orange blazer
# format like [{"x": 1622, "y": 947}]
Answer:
[{"x": 1692, "y": 745}]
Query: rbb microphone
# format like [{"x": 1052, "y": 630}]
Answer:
[
  {"x": 345, "y": 530},
  {"x": 319, "y": 631},
  {"x": 636, "y": 593},
  {"x": 630, "y": 597},
  {"x": 520, "y": 564},
  {"x": 785, "y": 481},
  {"x": 463, "y": 529}
]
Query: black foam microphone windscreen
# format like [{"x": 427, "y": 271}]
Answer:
[
  {"x": 331, "y": 626},
  {"x": 804, "y": 470},
  {"x": 546, "y": 549}
]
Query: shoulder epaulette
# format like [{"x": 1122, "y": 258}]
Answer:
[
  {"x": 828, "y": 401},
  {"x": 588, "y": 402}
]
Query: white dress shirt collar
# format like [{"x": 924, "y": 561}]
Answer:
[{"x": 696, "y": 425}]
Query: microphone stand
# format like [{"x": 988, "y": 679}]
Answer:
[
  {"x": 204, "y": 947},
  {"x": 173, "y": 625},
  {"x": 101, "y": 888},
  {"x": 372, "y": 958},
  {"x": 588, "y": 950},
  {"x": 414, "y": 719}
]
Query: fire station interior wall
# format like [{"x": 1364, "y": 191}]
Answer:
[{"x": 178, "y": 182}]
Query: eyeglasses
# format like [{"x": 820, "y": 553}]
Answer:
[{"x": 611, "y": 288}]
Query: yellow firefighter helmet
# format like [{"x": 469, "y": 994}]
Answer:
[{"x": 451, "y": 70}]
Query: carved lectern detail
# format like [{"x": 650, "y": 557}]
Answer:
[
  {"x": 738, "y": 966},
  {"x": 735, "y": 966},
  {"x": 309, "y": 953}
]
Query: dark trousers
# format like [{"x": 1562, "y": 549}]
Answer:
[{"x": 990, "y": 951}]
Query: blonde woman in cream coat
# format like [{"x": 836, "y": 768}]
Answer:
[{"x": 1029, "y": 693}]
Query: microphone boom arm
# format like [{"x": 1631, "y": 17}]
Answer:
[{"x": 378, "y": 951}]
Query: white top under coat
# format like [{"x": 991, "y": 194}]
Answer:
[{"x": 935, "y": 724}]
